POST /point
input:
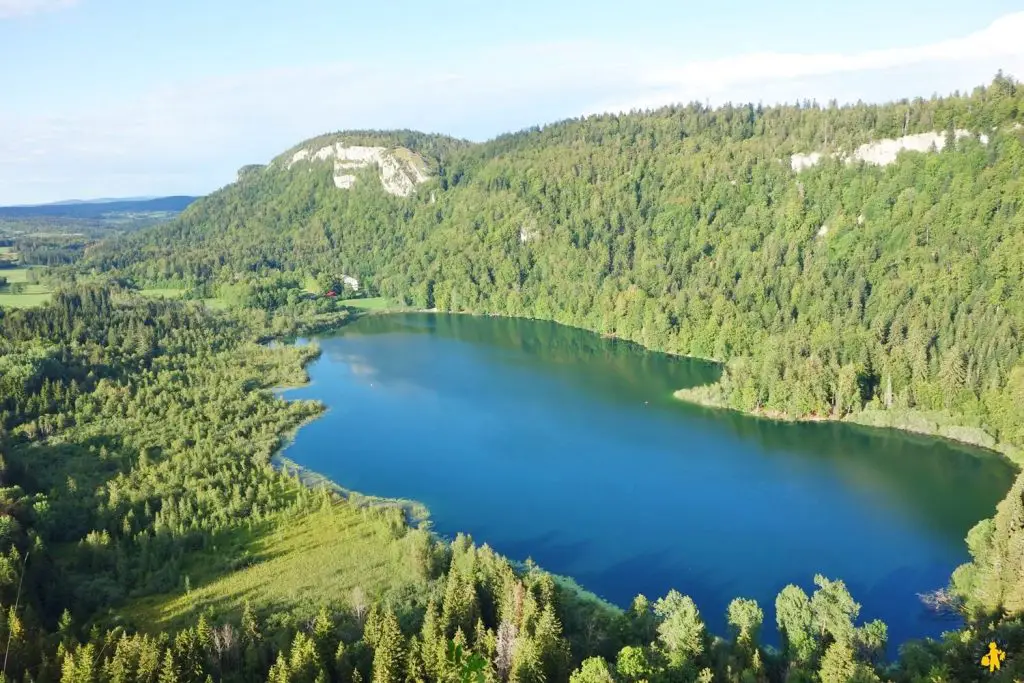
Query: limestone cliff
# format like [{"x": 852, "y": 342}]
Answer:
[{"x": 399, "y": 169}]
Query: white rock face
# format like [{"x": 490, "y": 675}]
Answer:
[
  {"x": 801, "y": 161},
  {"x": 884, "y": 152},
  {"x": 397, "y": 177}
]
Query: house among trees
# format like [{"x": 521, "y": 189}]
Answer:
[{"x": 341, "y": 289}]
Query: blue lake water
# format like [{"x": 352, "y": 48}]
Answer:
[{"x": 555, "y": 444}]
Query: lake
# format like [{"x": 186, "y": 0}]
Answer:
[{"x": 555, "y": 444}]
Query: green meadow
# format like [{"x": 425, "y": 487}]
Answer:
[
  {"x": 29, "y": 294},
  {"x": 377, "y": 303},
  {"x": 329, "y": 555}
]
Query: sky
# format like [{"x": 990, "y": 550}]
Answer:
[{"x": 121, "y": 98}]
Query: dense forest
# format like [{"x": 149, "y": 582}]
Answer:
[{"x": 146, "y": 535}]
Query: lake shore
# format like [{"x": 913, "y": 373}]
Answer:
[
  {"x": 415, "y": 513},
  {"x": 911, "y": 421}
]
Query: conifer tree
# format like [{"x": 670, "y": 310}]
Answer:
[{"x": 389, "y": 650}]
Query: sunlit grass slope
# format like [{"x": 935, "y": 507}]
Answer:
[
  {"x": 31, "y": 294},
  {"x": 377, "y": 303},
  {"x": 305, "y": 562}
]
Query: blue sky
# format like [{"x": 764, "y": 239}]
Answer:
[{"x": 118, "y": 98}]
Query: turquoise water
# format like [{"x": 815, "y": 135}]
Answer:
[{"x": 555, "y": 444}]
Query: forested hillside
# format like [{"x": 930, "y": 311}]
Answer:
[{"x": 829, "y": 291}]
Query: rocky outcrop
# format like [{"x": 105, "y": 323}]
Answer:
[
  {"x": 884, "y": 152},
  {"x": 400, "y": 170},
  {"x": 801, "y": 161}
]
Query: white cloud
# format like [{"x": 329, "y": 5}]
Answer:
[
  {"x": 1000, "y": 45},
  {"x": 23, "y": 8},
  {"x": 191, "y": 137}
]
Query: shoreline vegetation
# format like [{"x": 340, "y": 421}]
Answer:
[
  {"x": 417, "y": 516},
  {"x": 925, "y": 423},
  {"x": 416, "y": 513}
]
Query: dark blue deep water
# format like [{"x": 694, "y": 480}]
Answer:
[{"x": 552, "y": 443}]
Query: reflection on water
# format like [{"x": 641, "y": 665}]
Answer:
[{"x": 556, "y": 444}]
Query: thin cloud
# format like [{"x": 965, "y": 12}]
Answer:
[
  {"x": 998, "y": 46},
  {"x": 193, "y": 136},
  {"x": 10, "y": 9}
]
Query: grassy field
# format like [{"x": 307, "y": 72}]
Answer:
[
  {"x": 6, "y": 250},
  {"x": 305, "y": 563},
  {"x": 377, "y": 303},
  {"x": 33, "y": 294},
  {"x": 23, "y": 300},
  {"x": 15, "y": 274}
]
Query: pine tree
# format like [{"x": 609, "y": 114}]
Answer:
[
  {"x": 795, "y": 622},
  {"x": 432, "y": 639},
  {"x": 592, "y": 670},
  {"x": 552, "y": 648},
  {"x": 389, "y": 650},
  {"x": 250, "y": 624},
  {"x": 80, "y": 666},
  {"x": 169, "y": 669},
  {"x": 415, "y": 669},
  {"x": 681, "y": 630},
  {"x": 459, "y": 609},
  {"x": 837, "y": 665},
  {"x": 833, "y": 610},
  {"x": 279, "y": 672},
  {"x": 342, "y": 665}
]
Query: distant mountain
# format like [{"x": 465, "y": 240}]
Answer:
[
  {"x": 100, "y": 200},
  {"x": 99, "y": 208}
]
